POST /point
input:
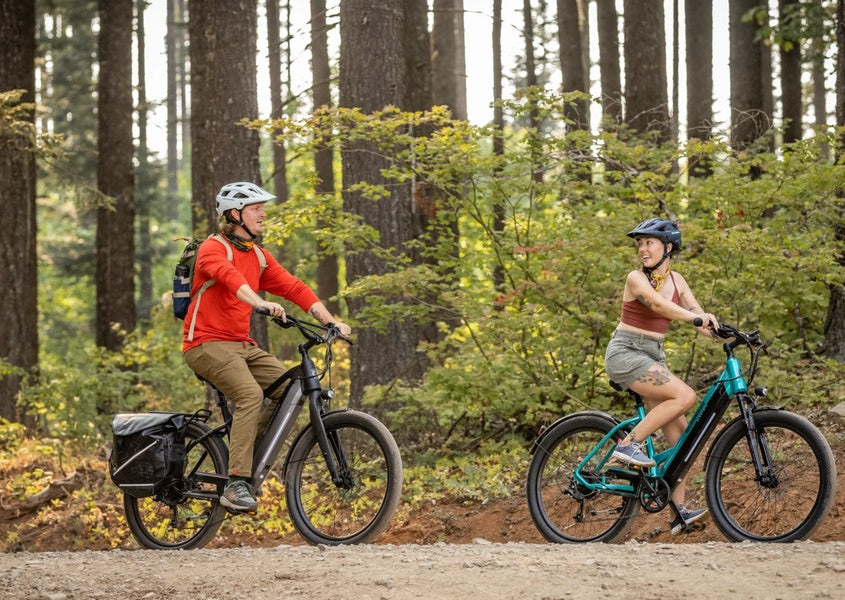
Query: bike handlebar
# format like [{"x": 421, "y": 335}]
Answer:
[
  {"x": 726, "y": 331},
  {"x": 305, "y": 327}
]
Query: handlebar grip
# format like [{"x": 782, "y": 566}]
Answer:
[
  {"x": 698, "y": 321},
  {"x": 262, "y": 311}
]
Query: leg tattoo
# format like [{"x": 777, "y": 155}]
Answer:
[{"x": 655, "y": 376}]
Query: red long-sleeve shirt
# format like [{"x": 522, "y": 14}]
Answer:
[{"x": 222, "y": 316}]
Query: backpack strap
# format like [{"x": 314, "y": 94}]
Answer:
[
  {"x": 207, "y": 284},
  {"x": 262, "y": 261}
]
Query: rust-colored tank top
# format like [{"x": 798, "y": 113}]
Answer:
[{"x": 636, "y": 314}]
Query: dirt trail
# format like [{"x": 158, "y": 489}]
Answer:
[{"x": 443, "y": 571}]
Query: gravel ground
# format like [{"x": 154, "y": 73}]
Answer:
[{"x": 478, "y": 570}]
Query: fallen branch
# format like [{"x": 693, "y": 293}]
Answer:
[{"x": 54, "y": 491}]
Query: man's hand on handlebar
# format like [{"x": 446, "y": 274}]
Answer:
[
  {"x": 344, "y": 329},
  {"x": 274, "y": 309}
]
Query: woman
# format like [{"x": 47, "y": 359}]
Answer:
[{"x": 654, "y": 297}]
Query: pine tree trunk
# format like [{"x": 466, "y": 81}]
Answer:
[
  {"x": 698, "y": 20},
  {"x": 172, "y": 97},
  {"x": 18, "y": 276},
  {"x": 607, "y": 23},
  {"x": 280, "y": 179},
  {"x": 372, "y": 75},
  {"x": 819, "y": 83},
  {"x": 448, "y": 65},
  {"x": 146, "y": 183},
  {"x": 748, "y": 120},
  {"x": 223, "y": 43},
  {"x": 115, "y": 272},
  {"x": 531, "y": 78},
  {"x": 327, "y": 281},
  {"x": 834, "y": 326},
  {"x": 699, "y": 63},
  {"x": 646, "y": 100},
  {"x": 790, "y": 76},
  {"x": 498, "y": 136},
  {"x": 572, "y": 60}
]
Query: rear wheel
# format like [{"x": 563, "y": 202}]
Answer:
[
  {"x": 185, "y": 513},
  {"x": 361, "y": 506},
  {"x": 793, "y": 495},
  {"x": 563, "y": 510}
]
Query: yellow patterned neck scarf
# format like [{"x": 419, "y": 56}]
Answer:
[{"x": 657, "y": 279}]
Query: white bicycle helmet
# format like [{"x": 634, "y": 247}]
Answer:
[{"x": 240, "y": 194}]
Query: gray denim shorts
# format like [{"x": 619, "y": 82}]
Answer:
[{"x": 629, "y": 355}]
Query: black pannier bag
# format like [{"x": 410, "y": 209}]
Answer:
[{"x": 149, "y": 449}]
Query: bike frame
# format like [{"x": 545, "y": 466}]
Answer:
[
  {"x": 672, "y": 464},
  {"x": 303, "y": 382}
]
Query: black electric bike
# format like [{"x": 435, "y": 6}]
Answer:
[{"x": 342, "y": 474}]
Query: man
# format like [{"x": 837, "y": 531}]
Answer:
[{"x": 216, "y": 343}]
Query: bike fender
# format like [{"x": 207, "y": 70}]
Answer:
[
  {"x": 305, "y": 430},
  {"x": 727, "y": 427},
  {"x": 613, "y": 421}
]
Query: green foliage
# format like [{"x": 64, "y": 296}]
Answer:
[
  {"x": 76, "y": 397},
  {"x": 759, "y": 252},
  {"x": 491, "y": 471}
]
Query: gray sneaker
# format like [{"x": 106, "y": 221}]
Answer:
[
  {"x": 237, "y": 496},
  {"x": 689, "y": 517},
  {"x": 632, "y": 454}
]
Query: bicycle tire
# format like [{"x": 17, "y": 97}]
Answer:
[
  {"x": 171, "y": 520},
  {"x": 562, "y": 512},
  {"x": 324, "y": 513},
  {"x": 789, "y": 509}
]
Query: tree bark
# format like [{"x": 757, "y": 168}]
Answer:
[
  {"x": 834, "y": 326},
  {"x": 274, "y": 46},
  {"x": 748, "y": 116},
  {"x": 146, "y": 183},
  {"x": 18, "y": 277},
  {"x": 498, "y": 136},
  {"x": 698, "y": 26},
  {"x": 115, "y": 272},
  {"x": 531, "y": 78},
  {"x": 327, "y": 280},
  {"x": 223, "y": 48},
  {"x": 172, "y": 97},
  {"x": 611, "y": 79},
  {"x": 790, "y": 72},
  {"x": 372, "y": 76},
  {"x": 573, "y": 57},
  {"x": 448, "y": 62},
  {"x": 819, "y": 84},
  {"x": 646, "y": 96},
  {"x": 223, "y": 40}
]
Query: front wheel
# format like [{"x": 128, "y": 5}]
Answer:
[
  {"x": 360, "y": 507},
  {"x": 564, "y": 510},
  {"x": 789, "y": 500},
  {"x": 185, "y": 513}
]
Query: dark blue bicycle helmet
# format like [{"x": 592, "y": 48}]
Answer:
[{"x": 662, "y": 229}]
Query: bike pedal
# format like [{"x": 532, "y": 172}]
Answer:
[{"x": 236, "y": 513}]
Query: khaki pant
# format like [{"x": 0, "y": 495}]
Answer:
[{"x": 241, "y": 371}]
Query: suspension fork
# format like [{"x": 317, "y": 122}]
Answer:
[
  {"x": 760, "y": 455},
  {"x": 329, "y": 443}
]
